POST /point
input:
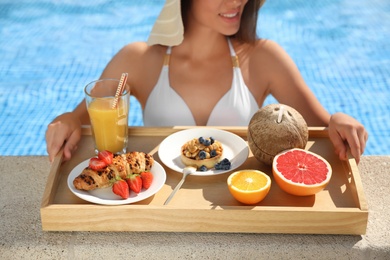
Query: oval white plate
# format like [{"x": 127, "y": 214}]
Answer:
[
  {"x": 105, "y": 196},
  {"x": 234, "y": 148}
]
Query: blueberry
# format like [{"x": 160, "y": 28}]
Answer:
[
  {"x": 218, "y": 166},
  {"x": 212, "y": 140},
  {"x": 202, "y": 155},
  {"x": 203, "y": 168},
  {"x": 226, "y": 167},
  {"x": 225, "y": 164},
  {"x": 226, "y": 161},
  {"x": 201, "y": 140},
  {"x": 213, "y": 153},
  {"x": 206, "y": 142}
]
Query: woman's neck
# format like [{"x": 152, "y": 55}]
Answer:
[{"x": 203, "y": 46}]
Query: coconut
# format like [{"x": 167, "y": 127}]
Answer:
[{"x": 275, "y": 128}]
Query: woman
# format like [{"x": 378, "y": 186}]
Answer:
[{"x": 191, "y": 82}]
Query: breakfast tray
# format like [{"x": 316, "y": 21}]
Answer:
[{"x": 204, "y": 203}]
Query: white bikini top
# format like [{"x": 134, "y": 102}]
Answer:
[{"x": 165, "y": 107}]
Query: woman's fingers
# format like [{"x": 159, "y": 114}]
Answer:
[
  {"x": 54, "y": 141},
  {"x": 71, "y": 144},
  {"x": 341, "y": 148},
  {"x": 65, "y": 131},
  {"x": 347, "y": 134}
]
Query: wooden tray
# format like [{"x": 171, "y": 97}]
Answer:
[{"x": 204, "y": 204}]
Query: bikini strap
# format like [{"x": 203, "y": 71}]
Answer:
[
  {"x": 167, "y": 56},
  {"x": 235, "y": 62}
]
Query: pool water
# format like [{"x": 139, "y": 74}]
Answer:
[{"x": 49, "y": 50}]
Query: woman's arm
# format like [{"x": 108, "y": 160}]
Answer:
[
  {"x": 286, "y": 84},
  {"x": 65, "y": 129}
]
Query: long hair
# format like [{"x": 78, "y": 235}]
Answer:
[{"x": 248, "y": 26}]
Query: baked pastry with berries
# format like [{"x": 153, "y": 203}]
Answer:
[{"x": 202, "y": 153}]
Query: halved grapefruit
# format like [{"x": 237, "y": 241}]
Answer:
[{"x": 301, "y": 172}]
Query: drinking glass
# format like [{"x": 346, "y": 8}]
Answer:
[{"x": 109, "y": 120}]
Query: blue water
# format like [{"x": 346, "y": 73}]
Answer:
[{"x": 50, "y": 49}]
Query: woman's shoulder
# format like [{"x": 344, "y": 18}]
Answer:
[
  {"x": 143, "y": 62},
  {"x": 143, "y": 50},
  {"x": 138, "y": 55},
  {"x": 270, "y": 54},
  {"x": 268, "y": 48},
  {"x": 261, "y": 51}
]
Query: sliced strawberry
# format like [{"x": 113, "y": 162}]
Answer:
[
  {"x": 135, "y": 182},
  {"x": 106, "y": 156},
  {"x": 147, "y": 179},
  {"x": 121, "y": 189},
  {"x": 96, "y": 164}
]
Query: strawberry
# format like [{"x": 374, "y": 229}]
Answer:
[
  {"x": 121, "y": 189},
  {"x": 135, "y": 182},
  {"x": 147, "y": 178},
  {"x": 106, "y": 156},
  {"x": 96, "y": 164}
]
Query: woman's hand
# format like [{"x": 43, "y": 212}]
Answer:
[
  {"x": 64, "y": 130},
  {"x": 346, "y": 133}
]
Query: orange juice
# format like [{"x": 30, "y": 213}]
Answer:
[{"x": 109, "y": 125}]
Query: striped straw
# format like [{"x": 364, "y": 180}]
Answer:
[{"x": 119, "y": 90}]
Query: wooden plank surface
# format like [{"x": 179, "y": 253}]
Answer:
[{"x": 204, "y": 204}]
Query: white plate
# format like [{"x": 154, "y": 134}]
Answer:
[
  {"x": 105, "y": 196},
  {"x": 234, "y": 148}
]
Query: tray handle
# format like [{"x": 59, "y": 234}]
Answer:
[
  {"x": 356, "y": 180},
  {"x": 52, "y": 182}
]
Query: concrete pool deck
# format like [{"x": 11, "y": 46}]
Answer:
[{"x": 22, "y": 183}]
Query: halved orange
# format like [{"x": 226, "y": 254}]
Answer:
[
  {"x": 249, "y": 186},
  {"x": 301, "y": 172}
]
